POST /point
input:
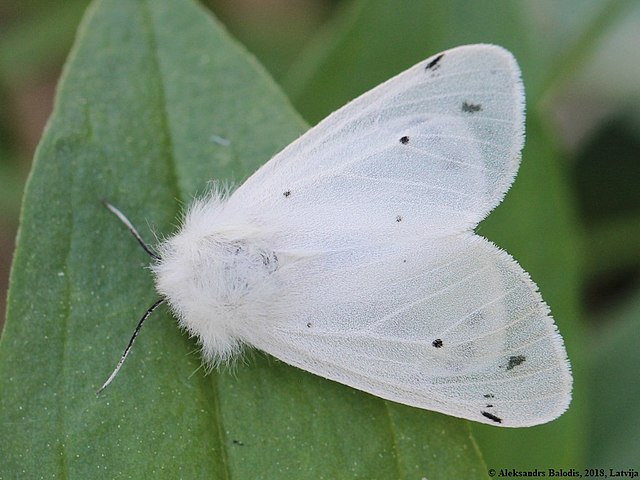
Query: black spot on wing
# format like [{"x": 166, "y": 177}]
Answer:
[
  {"x": 287, "y": 193},
  {"x": 437, "y": 343},
  {"x": 433, "y": 64},
  {"x": 471, "y": 107},
  {"x": 491, "y": 416},
  {"x": 404, "y": 140},
  {"x": 489, "y": 395},
  {"x": 399, "y": 218},
  {"x": 516, "y": 360}
]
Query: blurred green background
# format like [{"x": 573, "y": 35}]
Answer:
[{"x": 581, "y": 68}]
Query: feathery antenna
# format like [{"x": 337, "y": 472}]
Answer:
[
  {"x": 153, "y": 255},
  {"x": 131, "y": 228},
  {"x": 128, "y": 349}
]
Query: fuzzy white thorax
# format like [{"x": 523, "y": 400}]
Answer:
[{"x": 214, "y": 274}]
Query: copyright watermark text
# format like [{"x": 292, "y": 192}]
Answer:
[{"x": 564, "y": 473}]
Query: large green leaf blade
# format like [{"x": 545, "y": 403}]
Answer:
[
  {"x": 72, "y": 289},
  {"x": 155, "y": 101}
]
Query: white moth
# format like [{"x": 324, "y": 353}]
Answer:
[{"x": 351, "y": 254}]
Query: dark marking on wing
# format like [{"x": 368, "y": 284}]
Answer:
[
  {"x": 491, "y": 416},
  {"x": 437, "y": 343},
  {"x": 471, "y": 107},
  {"x": 433, "y": 64},
  {"x": 399, "y": 218},
  {"x": 404, "y": 140},
  {"x": 309, "y": 325},
  {"x": 489, "y": 395},
  {"x": 489, "y": 405},
  {"x": 515, "y": 361},
  {"x": 287, "y": 193}
]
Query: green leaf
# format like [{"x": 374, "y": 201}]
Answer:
[
  {"x": 536, "y": 223},
  {"x": 375, "y": 39},
  {"x": 155, "y": 101},
  {"x": 574, "y": 30},
  {"x": 613, "y": 364}
]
